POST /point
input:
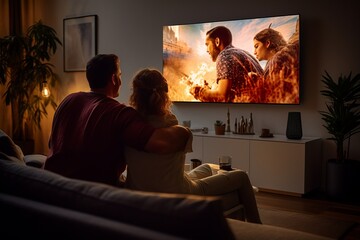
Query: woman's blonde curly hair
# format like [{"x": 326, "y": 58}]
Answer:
[{"x": 150, "y": 93}]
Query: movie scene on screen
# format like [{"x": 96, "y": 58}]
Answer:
[{"x": 238, "y": 61}]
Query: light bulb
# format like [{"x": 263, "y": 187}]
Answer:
[{"x": 45, "y": 92}]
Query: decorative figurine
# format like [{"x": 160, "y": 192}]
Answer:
[{"x": 244, "y": 126}]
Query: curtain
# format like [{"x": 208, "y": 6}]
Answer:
[
  {"x": 4, "y": 17},
  {"x": 15, "y": 17}
]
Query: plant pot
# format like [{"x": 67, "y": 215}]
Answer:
[
  {"x": 219, "y": 130},
  {"x": 343, "y": 179},
  {"x": 353, "y": 180},
  {"x": 335, "y": 182}
]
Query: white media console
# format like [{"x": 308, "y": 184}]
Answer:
[{"x": 274, "y": 164}]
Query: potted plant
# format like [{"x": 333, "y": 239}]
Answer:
[
  {"x": 219, "y": 127},
  {"x": 27, "y": 74},
  {"x": 342, "y": 120}
]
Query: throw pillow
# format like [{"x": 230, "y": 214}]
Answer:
[{"x": 8, "y": 147}]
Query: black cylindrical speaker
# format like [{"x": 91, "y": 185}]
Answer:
[{"x": 294, "y": 128}]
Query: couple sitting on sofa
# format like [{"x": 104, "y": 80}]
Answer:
[{"x": 93, "y": 134}]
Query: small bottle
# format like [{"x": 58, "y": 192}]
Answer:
[
  {"x": 242, "y": 125},
  {"x": 236, "y": 128},
  {"x": 228, "y": 121},
  {"x": 251, "y": 124},
  {"x": 246, "y": 126}
]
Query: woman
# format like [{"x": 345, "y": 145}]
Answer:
[
  {"x": 165, "y": 173},
  {"x": 281, "y": 73}
]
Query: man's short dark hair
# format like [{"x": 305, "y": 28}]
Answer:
[
  {"x": 100, "y": 69},
  {"x": 223, "y": 33}
]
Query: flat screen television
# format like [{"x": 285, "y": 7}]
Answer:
[{"x": 237, "y": 61}]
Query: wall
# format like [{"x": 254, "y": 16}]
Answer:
[{"x": 133, "y": 30}]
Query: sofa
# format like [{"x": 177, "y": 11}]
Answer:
[{"x": 40, "y": 204}]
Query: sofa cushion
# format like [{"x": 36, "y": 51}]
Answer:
[
  {"x": 181, "y": 215},
  {"x": 8, "y": 147}
]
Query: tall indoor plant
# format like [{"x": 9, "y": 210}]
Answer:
[
  {"x": 25, "y": 71},
  {"x": 342, "y": 120}
]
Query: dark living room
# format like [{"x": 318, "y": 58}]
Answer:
[{"x": 292, "y": 176}]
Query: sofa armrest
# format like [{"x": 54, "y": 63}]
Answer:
[{"x": 253, "y": 231}]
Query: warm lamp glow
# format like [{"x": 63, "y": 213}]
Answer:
[{"x": 45, "y": 92}]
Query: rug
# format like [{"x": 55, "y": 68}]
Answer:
[{"x": 320, "y": 225}]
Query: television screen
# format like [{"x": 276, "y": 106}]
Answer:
[{"x": 238, "y": 61}]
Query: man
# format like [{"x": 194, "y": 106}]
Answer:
[
  {"x": 236, "y": 70},
  {"x": 91, "y": 129}
]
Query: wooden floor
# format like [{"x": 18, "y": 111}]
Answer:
[{"x": 313, "y": 204}]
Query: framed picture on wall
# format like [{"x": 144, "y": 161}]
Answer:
[{"x": 79, "y": 42}]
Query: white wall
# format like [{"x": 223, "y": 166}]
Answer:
[{"x": 132, "y": 29}]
